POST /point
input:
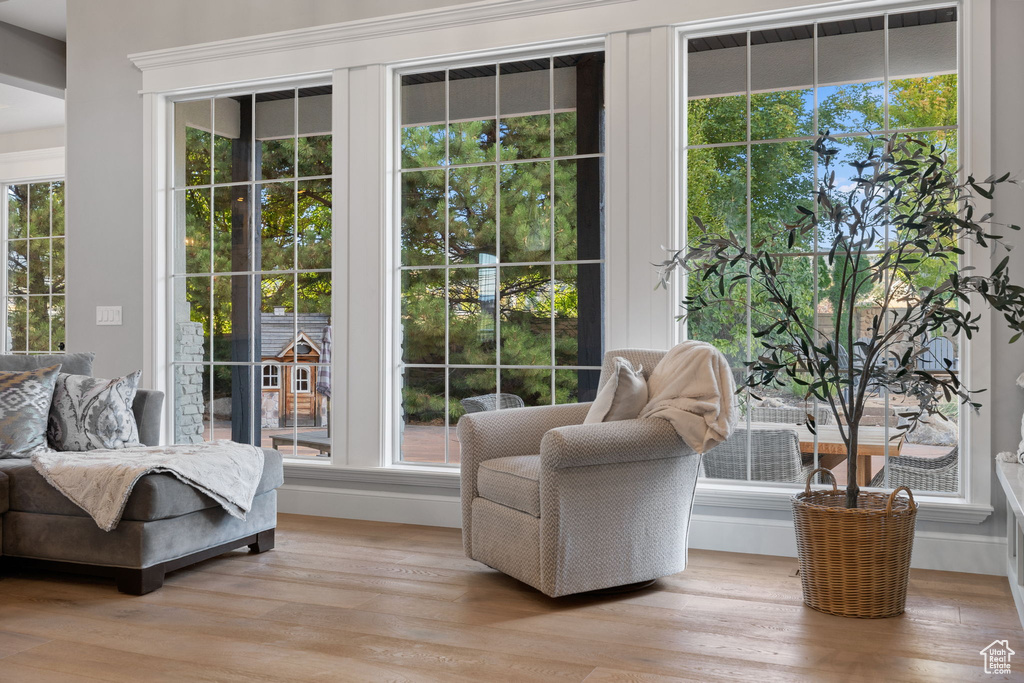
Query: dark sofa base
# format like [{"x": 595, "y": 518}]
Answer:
[
  {"x": 137, "y": 553},
  {"x": 147, "y": 579}
]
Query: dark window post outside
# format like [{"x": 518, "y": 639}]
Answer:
[
  {"x": 590, "y": 219},
  {"x": 245, "y": 302}
]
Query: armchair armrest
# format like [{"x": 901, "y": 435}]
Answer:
[
  {"x": 606, "y": 443},
  {"x": 503, "y": 433}
]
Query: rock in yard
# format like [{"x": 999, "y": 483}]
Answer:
[{"x": 933, "y": 430}]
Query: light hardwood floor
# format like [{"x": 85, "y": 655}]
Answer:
[{"x": 343, "y": 600}]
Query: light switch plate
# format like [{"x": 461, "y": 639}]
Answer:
[{"x": 108, "y": 315}]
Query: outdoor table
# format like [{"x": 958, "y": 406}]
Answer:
[{"x": 832, "y": 450}]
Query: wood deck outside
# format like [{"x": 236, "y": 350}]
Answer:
[
  {"x": 425, "y": 444},
  {"x": 342, "y": 600}
]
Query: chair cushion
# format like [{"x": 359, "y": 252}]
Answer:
[
  {"x": 155, "y": 496},
  {"x": 513, "y": 482}
]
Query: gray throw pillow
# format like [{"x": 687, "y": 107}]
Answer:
[
  {"x": 89, "y": 413},
  {"x": 24, "y": 404},
  {"x": 622, "y": 397},
  {"x": 71, "y": 363}
]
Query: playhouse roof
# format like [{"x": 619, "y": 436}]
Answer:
[{"x": 278, "y": 331}]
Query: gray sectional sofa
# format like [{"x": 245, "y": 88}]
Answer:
[{"x": 166, "y": 524}]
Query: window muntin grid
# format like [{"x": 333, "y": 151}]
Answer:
[
  {"x": 33, "y": 231},
  {"x": 300, "y": 381},
  {"x": 251, "y": 249},
  {"x": 468, "y": 138},
  {"x": 737, "y": 147}
]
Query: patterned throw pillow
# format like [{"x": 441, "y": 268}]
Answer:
[
  {"x": 24, "y": 404},
  {"x": 89, "y": 413}
]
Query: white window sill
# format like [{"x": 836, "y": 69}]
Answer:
[
  {"x": 932, "y": 508},
  {"x": 441, "y": 477}
]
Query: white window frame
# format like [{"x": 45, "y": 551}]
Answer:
[
  {"x": 253, "y": 186},
  {"x": 300, "y": 379},
  {"x": 20, "y": 168},
  {"x": 4, "y": 239},
  {"x": 271, "y": 377},
  {"x": 752, "y": 144},
  {"x": 973, "y": 502},
  {"x": 395, "y": 228},
  {"x": 641, "y": 181}
]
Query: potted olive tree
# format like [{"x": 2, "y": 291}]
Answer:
[{"x": 906, "y": 209}]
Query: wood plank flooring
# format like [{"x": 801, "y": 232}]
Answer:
[{"x": 343, "y": 600}]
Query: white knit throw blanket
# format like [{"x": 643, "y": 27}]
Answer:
[
  {"x": 692, "y": 387},
  {"x": 101, "y": 481}
]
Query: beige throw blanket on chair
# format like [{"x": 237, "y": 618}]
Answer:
[
  {"x": 693, "y": 388},
  {"x": 101, "y": 481}
]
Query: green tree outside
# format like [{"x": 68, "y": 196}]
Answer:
[
  {"x": 526, "y": 299},
  {"x": 782, "y": 176}
]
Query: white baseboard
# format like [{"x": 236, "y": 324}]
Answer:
[
  {"x": 378, "y": 506},
  {"x": 932, "y": 550},
  {"x": 973, "y": 553},
  {"x": 1015, "y": 588}
]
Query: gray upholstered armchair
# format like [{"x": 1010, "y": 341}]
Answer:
[{"x": 568, "y": 507}]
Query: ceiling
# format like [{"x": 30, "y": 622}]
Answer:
[
  {"x": 26, "y": 110},
  {"x": 48, "y": 17},
  {"x": 20, "y": 109}
]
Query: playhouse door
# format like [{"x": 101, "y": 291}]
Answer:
[{"x": 300, "y": 399}]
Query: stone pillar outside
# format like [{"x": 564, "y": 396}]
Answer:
[{"x": 188, "y": 383}]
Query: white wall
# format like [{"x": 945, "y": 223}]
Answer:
[{"x": 1005, "y": 399}]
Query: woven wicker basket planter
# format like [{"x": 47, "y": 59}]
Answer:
[{"x": 854, "y": 562}]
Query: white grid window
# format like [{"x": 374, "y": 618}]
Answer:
[
  {"x": 755, "y": 101},
  {"x": 252, "y": 274},
  {"x": 501, "y": 242},
  {"x": 271, "y": 377},
  {"x": 33, "y": 231},
  {"x": 300, "y": 384}
]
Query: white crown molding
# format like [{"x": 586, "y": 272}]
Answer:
[
  {"x": 364, "y": 29},
  {"x": 32, "y": 164}
]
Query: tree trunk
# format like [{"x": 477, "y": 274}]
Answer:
[{"x": 852, "y": 489}]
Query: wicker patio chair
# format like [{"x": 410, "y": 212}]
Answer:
[
  {"x": 774, "y": 456},
  {"x": 925, "y": 474},
  {"x": 937, "y": 351},
  {"x": 791, "y": 415},
  {"x": 479, "y": 404}
]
